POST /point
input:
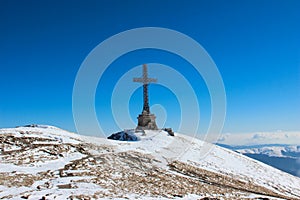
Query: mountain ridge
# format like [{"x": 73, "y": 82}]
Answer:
[
  {"x": 285, "y": 157},
  {"x": 59, "y": 164}
]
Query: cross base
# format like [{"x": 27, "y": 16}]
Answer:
[{"x": 146, "y": 121}]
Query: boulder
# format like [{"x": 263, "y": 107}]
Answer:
[{"x": 124, "y": 136}]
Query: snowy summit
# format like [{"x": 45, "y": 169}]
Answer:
[{"x": 45, "y": 162}]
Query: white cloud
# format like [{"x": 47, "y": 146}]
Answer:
[
  {"x": 278, "y": 137},
  {"x": 258, "y": 136}
]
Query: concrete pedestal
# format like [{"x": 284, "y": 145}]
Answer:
[{"x": 146, "y": 121}]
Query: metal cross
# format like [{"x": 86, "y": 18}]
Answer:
[{"x": 145, "y": 80}]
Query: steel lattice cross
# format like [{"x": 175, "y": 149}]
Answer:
[{"x": 145, "y": 80}]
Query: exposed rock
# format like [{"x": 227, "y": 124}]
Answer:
[
  {"x": 170, "y": 131},
  {"x": 127, "y": 135}
]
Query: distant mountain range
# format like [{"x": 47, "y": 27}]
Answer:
[{"x": 281, "y": 156}]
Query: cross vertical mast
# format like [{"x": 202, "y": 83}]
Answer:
[
  {"x": 146, "y": 120},
  {"x": 145, "y": 90},
  {"x": 145, "y": 80}
]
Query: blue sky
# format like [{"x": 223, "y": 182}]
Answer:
[{"x": 255, "y": 44}]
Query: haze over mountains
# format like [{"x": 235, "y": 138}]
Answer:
[
  {"x": 281, "y": 156},
  {"x": 261, "y": 138},
  {"x": 279, "y": 149}
]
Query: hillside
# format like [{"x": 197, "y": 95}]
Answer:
[{"x": 46, "y": 162}]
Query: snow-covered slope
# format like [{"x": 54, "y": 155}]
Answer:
[{"x": 48, "y": 162}]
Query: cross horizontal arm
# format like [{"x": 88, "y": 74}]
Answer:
[{"x": 145, "y": 81}]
